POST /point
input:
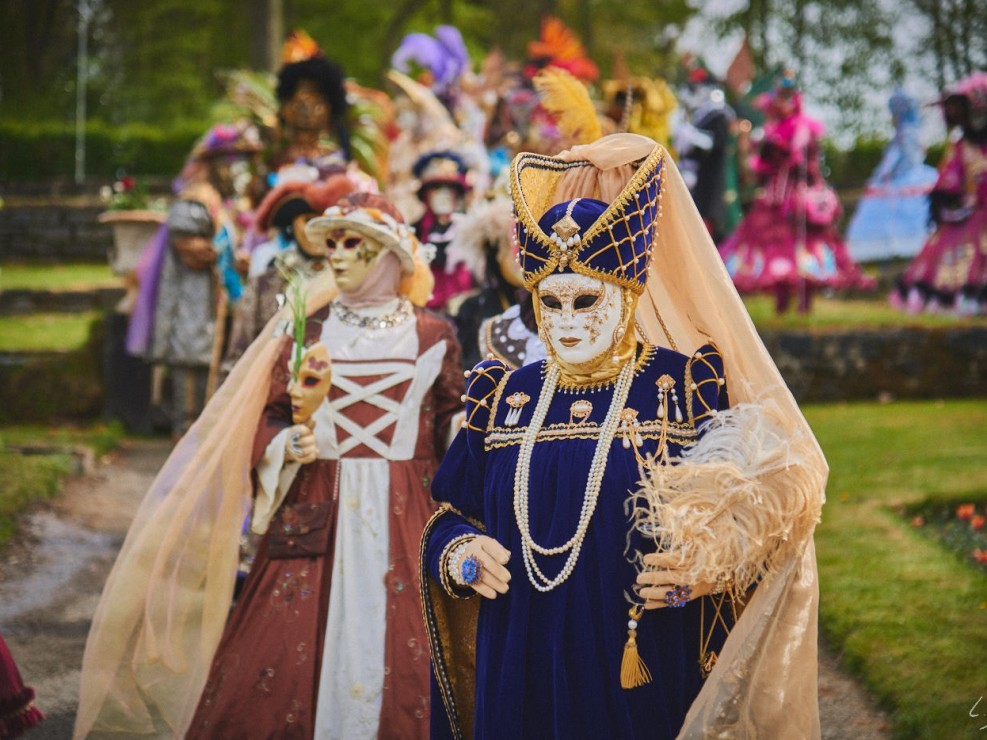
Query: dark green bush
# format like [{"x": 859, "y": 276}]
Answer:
[
  {"x": 850, "y": 168},
  {"x": 56, "y": 386},
  {"x": 34, "y": 150},
  {"x": 933, "y": 154}
]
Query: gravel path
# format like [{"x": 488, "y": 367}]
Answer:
[{"x": 51, "y": 578}]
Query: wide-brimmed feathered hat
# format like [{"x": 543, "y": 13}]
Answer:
[{"x": 374, "y": 217}]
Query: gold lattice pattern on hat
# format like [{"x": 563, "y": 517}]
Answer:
[{"x": 534, "y": 180}]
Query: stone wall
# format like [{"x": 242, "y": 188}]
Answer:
[
  {"x": 867, "y": 364},
  {"x": 855, "y": 365},
  {"x": 54, "y": 232}
]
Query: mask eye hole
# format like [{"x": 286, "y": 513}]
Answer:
[
  {"x": 352, "y": 242},
  {"x": 551, "y": 303},
  {"x": 310, "y": 382},
  {"x": 585, "y": 301}
]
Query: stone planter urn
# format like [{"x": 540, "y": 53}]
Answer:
[{"x": 131, "y": 232}]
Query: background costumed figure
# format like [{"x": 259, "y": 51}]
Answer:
[
  {"x": 788, "y": 243},
  {"x": 188, "y": 280},
  {"x": 443, "y": 187},
  {"x": 484, "y": 233},
  {"x": 574, "y": 636},
  {"x": 950, "y": 273},
  {"x": 312, "y": 108},
  {"x": 640, "y": 105},
  {"x": 703, "y": 145},
  {"x": 17, "y": 711},
  {"x": 286, "y": 209},
  {"x": 891, "y": 219}
]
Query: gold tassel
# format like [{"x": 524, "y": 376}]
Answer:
[{"x": 633, "y": 671}]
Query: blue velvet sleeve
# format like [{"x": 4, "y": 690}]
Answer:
[
  {"x": 708, "y": 389},
  {"x": 458, "y": 483}
]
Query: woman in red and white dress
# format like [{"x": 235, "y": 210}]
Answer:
[{"x": 326, "y": 638}]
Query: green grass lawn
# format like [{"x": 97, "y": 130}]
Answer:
[
  {"x": 843, "y": 313},
  {"x": 84, "y": 276},
  {"x": 45, "y": 332},
  {"x": 27, "y": 479},
  {"x": 909, "y": 617}
]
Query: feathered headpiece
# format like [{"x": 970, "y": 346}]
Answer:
[
  {"x": 486, "y": 223},
  {"x": 298, "y": 47},
  {"x": 568, "y": 101},
  {"x": 444, "y": 56},
  {"x": 558, "y": 46}
]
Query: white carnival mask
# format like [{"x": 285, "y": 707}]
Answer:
[
  {"x": 443, "y": 200},
  {"x": 579, "y": 316}
]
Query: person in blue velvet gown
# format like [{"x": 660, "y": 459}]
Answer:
[{"x": 590, "y": 622}]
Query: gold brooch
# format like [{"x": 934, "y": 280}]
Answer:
[
  {"x": 565, "y": 234},
  {"x": 628, "y": 428},
  {"x": 666, "y": 387},
  {"x": 516, "y": 401},
  {"x": 579, "y": 411}
]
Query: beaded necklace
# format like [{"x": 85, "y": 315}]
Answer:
[
  {"x": 522, "y": 476},
  {"x": 384, "y": 321}
]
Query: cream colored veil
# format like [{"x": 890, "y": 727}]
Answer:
[
  {"x": 764, "y": 683},
  {"x": 166, "y": 601}
]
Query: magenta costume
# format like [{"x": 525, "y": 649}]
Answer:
[
  {"x": 950, "y": 273},
  {"x": 788, "y": 241}
]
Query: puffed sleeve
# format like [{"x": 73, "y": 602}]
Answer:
[
  {"x": 481, "y": 390},
  {"x": 458, "y": 483},
  {"x": 707, "y": 388}
]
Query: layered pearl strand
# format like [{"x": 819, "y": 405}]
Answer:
[{"x": 522, "y": 476}]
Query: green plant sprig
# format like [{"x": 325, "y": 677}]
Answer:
[{"x": 296, "y": 296}]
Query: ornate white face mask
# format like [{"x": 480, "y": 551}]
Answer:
[
  {"x": 579, "y": 315},
  {"x": 351, "y": 256}
]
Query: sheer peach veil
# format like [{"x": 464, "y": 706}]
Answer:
[
  {"x": 764, "y": 683},
  {"x": 166, "y": 601}
]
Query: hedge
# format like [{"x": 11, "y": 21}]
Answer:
[
  {"x": 35, "y": 150},
  {"x": 850, "y": 168}
]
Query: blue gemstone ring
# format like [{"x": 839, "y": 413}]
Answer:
[
  {"x": 678, "y": 596},
  {"x": 471, "y": 570}
]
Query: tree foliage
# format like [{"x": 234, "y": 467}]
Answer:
[
  {"x": 156, "y": 62},
  {"x": 955, "y": 37},
  {"x": 37, "y": 56}
]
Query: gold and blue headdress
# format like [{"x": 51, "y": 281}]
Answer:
[{"x": 612, "y": 241}]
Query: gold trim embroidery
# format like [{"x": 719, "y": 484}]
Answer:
[
  {"x": 692, "y": 388},
  {"x": 491, "y": 348},
  {"x": 474, "y": 376},
  {"x": 498, "y": 392},
  {"x": 529, "y": 223},
  {"x": 647, "y": 353},
  {"x": 500, "y": 437}
]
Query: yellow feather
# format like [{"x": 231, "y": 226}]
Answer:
[{"x": 567, "y": 99}]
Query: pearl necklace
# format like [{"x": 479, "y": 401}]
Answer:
[
  {"x": 384, "y": 321},
  {"x": 522, "y": 475}
]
